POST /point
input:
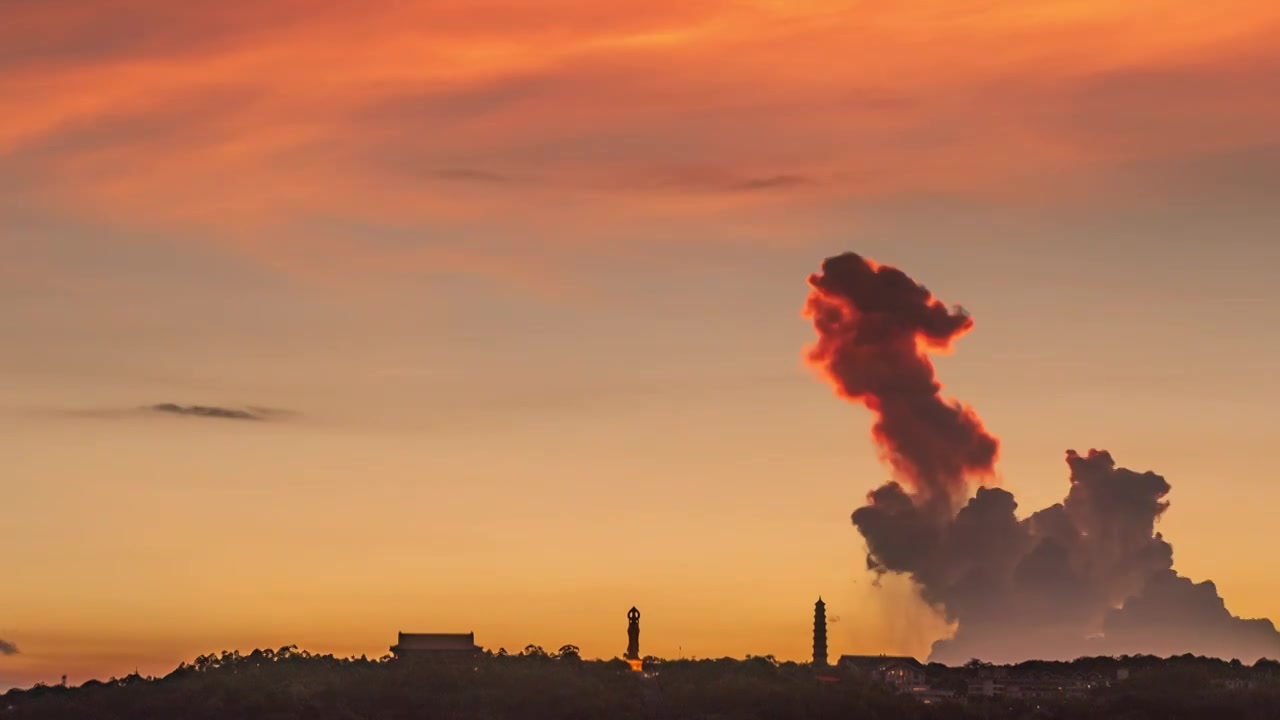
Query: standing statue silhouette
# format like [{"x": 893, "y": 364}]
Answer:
[{"x": 633, "y": 634}]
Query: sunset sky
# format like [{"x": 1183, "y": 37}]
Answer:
[{"x": 523, "y": 283}]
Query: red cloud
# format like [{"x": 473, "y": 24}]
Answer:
[{"x": 254, "y": 125}]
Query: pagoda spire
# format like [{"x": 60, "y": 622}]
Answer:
[{"x": 820, "y": 633}]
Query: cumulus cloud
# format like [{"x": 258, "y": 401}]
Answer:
[
  {"x": 1089, "y": 575},
  {"x": 872, "y": 321}
]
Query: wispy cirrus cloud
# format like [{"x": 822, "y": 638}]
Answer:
[
  {"x": 554, "y": 128},
  {"x": 471, "y": 175},
  {"x": 771, "y": 182},
  {"x": 248, "y": 413},
  {"x": 208, "y": 411}
]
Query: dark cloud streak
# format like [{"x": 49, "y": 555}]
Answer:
[
  {"x": 221, "y": 413},
  {"x": 473, "y": 175},
  {"x": 772, "y": 182}
]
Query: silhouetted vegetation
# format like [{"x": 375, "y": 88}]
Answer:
[{"x": 534, "y": 684}]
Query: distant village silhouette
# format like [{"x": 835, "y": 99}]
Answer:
[{"x": 899, "y": 673}]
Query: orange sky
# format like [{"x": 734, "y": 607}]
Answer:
[{"x": 530, "y": 277}]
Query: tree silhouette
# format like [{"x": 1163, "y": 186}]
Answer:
[
  {"x": 568, "y": 652},
  {"x": 287, "y": 683}
]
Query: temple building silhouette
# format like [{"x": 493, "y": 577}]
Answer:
[
  {"x": 450, "y": 647},
  {"x": 820, "y": 633}
]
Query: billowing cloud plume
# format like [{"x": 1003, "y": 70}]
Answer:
[
  {"x": 874, "y": 327},
  {"x": 1086, "y": 576},
  {"x": 8, "y": 648}
]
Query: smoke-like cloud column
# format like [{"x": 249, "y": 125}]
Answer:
[
  {"x": 1086, "y": 576},
  {"x": 875, "y": 326}
]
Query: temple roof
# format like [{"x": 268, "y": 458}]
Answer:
[{"x": 437, "y": 641}]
